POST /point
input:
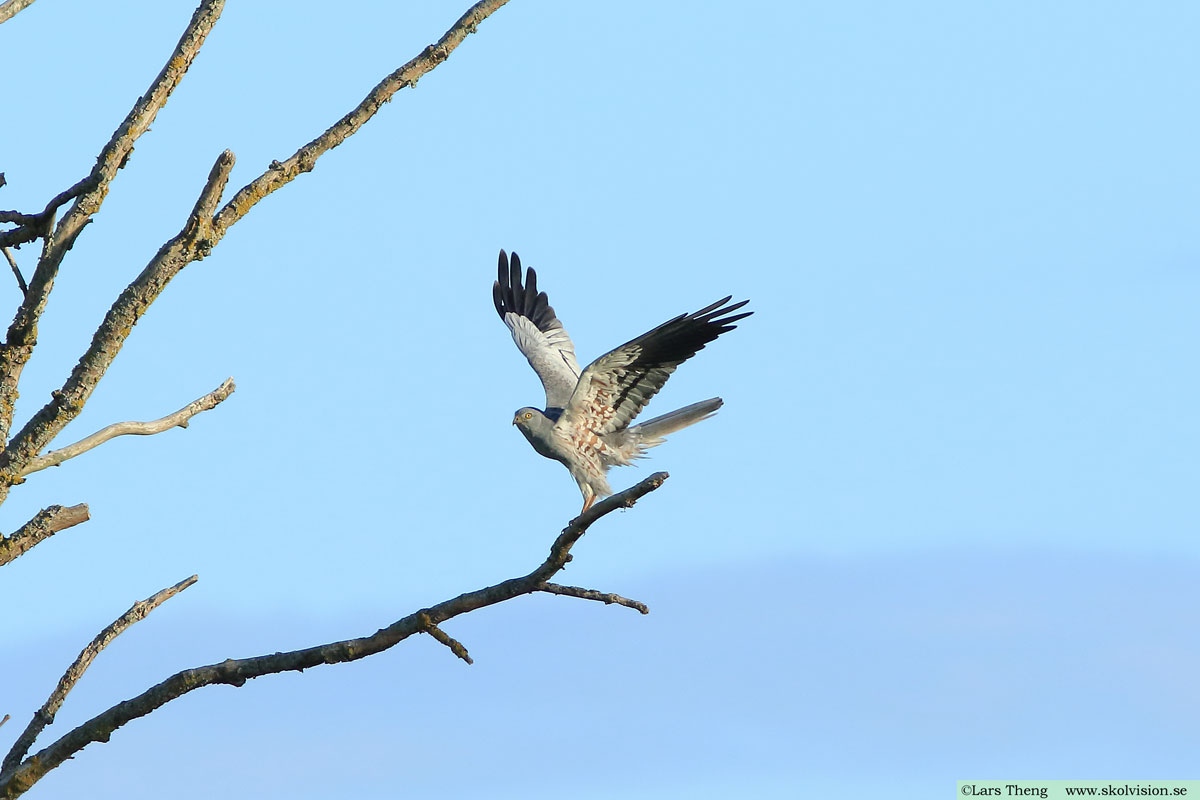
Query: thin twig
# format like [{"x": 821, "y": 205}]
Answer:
[
  {"x": 11, "y": 8},
  {"x": 232, "y": 672},
  {"x": 445, "y": 638},
  {"x": 592, "y": 594},
  {"x": 178, "y": 419},
  {"x": 12, "y": 262},
  {"x": 45, "y": 715},
  {"x": 44, "y": 524}
]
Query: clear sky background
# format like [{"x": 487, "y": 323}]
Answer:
[{"x": 944, "y": 528}]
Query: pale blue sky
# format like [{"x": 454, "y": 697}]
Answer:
[{"x": 944, "y": 528}]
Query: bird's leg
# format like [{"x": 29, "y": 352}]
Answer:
[{"x": 587, "y": 503}]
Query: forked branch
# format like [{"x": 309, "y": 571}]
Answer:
[
  {"x": 32, "y": 226},
  {"x": 195, "y": 241},
  {"x": 17, "y": 779},
  {"x": 88, "y": 194}
]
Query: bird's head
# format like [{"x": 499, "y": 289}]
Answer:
[{"x": 525, "y": 418}]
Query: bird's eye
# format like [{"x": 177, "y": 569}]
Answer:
[{"x": 528, "y": 415}]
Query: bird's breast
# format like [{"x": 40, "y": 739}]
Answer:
[{"x": 544, "y": 446}]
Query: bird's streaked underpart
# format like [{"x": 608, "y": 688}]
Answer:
[{"x": 586, "y": 422}]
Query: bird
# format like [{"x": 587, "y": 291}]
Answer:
[{"x": 587, "y": 422}]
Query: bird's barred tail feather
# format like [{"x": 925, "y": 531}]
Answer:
[{"x": 652, "y": 432}]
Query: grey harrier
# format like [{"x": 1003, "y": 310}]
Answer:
[{"x": 586, "y": 423}]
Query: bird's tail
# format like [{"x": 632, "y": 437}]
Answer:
[{"x": 652, "y": 432}]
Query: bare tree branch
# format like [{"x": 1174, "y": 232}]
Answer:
[
  {"x": 19, "y": 218},
  {"x": 40, "y": 224},
  {"x": 200, "y": 220},
  {"x": 12, "y": 262},
  {"x": 282, "y": 172},
  {"x": 44, "y": 524},
  {"x": 33, "y": 226},
  {"x": 439, "y": 634},
  {"x": 193, "y": 243},
  {"x": 22, "y": 333},
  {"x": 16, "y": 781},
  {"x": 11, "y": 8},
  {"x": 592, "y": 594},
  {"x": 178, "y": 419},
  {"x": 22, "y": 234},
  {"x": 45, "y": 715}
]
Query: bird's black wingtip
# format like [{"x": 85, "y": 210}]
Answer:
[
  {"x": 502, "y": 268},
  {"x": 718, "y": 312},
  {"x": 517, "y": 293}
]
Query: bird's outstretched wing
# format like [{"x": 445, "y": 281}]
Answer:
[
  {"x": 535, "y": 329},
  {"x": 616, "y": 387}
]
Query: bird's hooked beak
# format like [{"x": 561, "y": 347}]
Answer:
[{"x": 516, "y": 419}]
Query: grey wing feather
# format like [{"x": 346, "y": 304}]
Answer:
[
  {"x": 617, "y": 386},
  {"x": 536, "y": 330}
]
